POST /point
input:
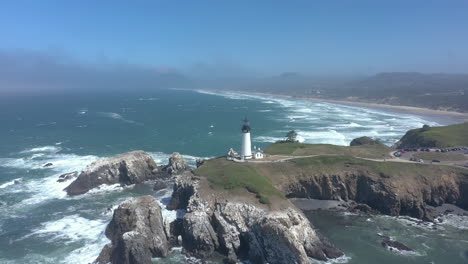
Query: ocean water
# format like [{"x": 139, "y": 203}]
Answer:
[{"x": 40, "y": 224}]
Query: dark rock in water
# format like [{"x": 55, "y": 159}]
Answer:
[
  {"x": 48, "y": 164},
  {"x": 137, "y": 233},
  {"x": 128, "y": 168},
  {"x": 177, "y": 164},
  {"x": 159, "y": 185},
  {"x": 390, "y": 244},
  {"x": 364, "y": 208},
  {"x": 67, "y": 176}
]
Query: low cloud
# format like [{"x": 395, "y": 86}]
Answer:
[{"x": 39, "y": 72}]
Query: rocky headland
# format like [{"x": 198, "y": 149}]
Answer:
[
  {"x": 244, "y": 231},
  {"x": 212, "y": 222},
  {"x": 220, "y": 214}
]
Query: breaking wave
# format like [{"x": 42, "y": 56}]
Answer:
[
  {"x": 118, "y": 117},
  {"x": 322, "y": 122}
]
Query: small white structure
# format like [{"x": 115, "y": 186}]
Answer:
[
  {"x": 246, "y": 151},
  {"x": 232, "y": 154},
  {"x": 257, "y": 153}
]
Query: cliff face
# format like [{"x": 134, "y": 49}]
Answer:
[
  {"x": 137, "y": 233},
  {"x": 383, "y": 192},
  {"x": 244, "y": 231}
]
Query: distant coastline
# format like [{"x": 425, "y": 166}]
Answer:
[{"x": 439, "y": 116}]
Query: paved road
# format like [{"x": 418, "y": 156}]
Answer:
[{"x": 283, "y": 158}]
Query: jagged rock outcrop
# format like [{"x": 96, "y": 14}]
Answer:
[
  {"x": 183, "y": 190},
  {"x": 128, "y": 168},
  {"x": 243, "y": 231},
  {"x": 137, "y": 233},
  {"x": 176, "y": 164},
  {"x": 401, "y": 196}
]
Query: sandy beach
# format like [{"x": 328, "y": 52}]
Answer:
[{"x": 439, "y": 116}]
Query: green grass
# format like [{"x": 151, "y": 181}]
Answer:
[
  {"x": 228, "y": 175},
  {"x": 336, "y": 164},
  {"x": 377, "y": 151},
  {"x": 440, "y": 137}
]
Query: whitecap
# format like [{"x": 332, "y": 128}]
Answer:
[
  {"x": 267, "y": 139},
  {"x": 42, "y": 149},
  {"x": 148, "y": 99},
  {"x": 340, "y": 260},
  {"x": 9, "y": 183},
  {"x": 324, "y": 137},
  {"x": 456, "y": 221},
  {"x": 117, "y": 116},
  {"x": 70, "y": 229}
]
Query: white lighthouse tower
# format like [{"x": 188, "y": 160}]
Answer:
[{"x": 246, "y": 152}]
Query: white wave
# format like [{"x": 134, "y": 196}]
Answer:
[
  {"x": 61, "y": 162},
  {"x": 42, "y": 149},
  {"x": 148, "y": 99},
  {"x": 46, "y": 188},
  {"x": 264, "y": 110},
  {"x": 105, "y": 188},
  {"x": 324, "y": 137},
  {"x": 457, "y": 221},
  {"x": 75, "y": 228},
  {"x": 267, "y": 139},
  {"x": 118, "y": 117},
  {"x": 12, "y": 182},
  {"x": 71, "y": 229},
  {"x": 339, "y": 260}
]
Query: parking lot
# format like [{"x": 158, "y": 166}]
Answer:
[{"x": 451, "y": 156}]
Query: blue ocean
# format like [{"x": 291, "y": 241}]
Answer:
[{"x": 40, "y": 224}]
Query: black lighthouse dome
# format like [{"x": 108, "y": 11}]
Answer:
[{"x": 246, "y": 126}]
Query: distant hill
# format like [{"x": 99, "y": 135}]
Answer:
[
  {"x": 436, "y": 91},
  {"x": 440, "y": 137}
]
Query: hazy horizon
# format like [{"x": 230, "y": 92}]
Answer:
[{"x": 56, "y": 45}]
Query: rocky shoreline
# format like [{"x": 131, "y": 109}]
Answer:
[{"x": 240, "y": 230}]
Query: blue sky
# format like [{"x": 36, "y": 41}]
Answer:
[{"x": 267, "y": 37}]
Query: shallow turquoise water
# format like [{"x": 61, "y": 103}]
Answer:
[{"x": 39, "y": 224}]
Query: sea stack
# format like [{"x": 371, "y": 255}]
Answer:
[{"x": 246, "y": 151}]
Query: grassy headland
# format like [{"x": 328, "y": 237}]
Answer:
[
  {"x": 376, "y": 151},
  {"x": 439, "y": 137},
  {"x": 228, "y": 175}
]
